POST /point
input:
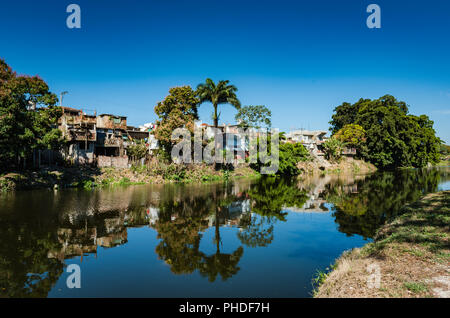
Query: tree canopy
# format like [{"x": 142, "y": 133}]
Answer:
[
  {"x": 222, "y": 93},
  {"x": 393, "y": 138},
  {"x": 177, "y": 110},
  {"x": 28, "y": 117},
  {"x": 254, "y": 116}
]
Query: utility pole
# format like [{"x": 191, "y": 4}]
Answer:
[{"x": 61, "y": 97}]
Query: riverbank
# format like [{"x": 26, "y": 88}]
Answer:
[
  {"x": 346, "y": 165},
  {"x": 89, "y": 177},
  {"x": 412, "y": 254},
  {"x": 443, "y": 163}
]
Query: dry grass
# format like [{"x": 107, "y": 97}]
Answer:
[{"x": 412, "y": 254}]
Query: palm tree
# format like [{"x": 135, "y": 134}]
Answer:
[{"x": 222, "y": 93}]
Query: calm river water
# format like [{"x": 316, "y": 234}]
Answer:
[{"x": 263, "y": 238}]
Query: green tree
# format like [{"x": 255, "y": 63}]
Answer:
[
  {"x": 333, "y": 148},
  {"x": 24, "y": 123},
  {"x": 347, "y": 113},
  {"x": 352, "y": 135},
  {"x": 222, "y": 93},
  {"x": 137, "y": 150},
  {"x": 394, "y": 138},
  {"x": 290, "y": 154},
  {"x": 177, "y": 110},
  {"x": 254, "y": 116}
]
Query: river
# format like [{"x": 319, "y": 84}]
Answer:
[{"x": 259, "y": 238}]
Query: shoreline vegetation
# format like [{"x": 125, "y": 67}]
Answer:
[
  {"x": 89, "y": 177},
  {"x": 412, "y": 253}
]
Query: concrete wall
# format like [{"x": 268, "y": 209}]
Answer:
[
  {"x": 117, "y": 162},
  {"x": 78, "y": 155}
]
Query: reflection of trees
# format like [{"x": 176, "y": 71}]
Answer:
[
  {"x": 179, "y": 227},
  {"x": 221, "y": 264},
  {"x": 271, "y": 194},
  {"x": 34, "y": 245},
  {"x": 378, "y": 198},
  {"x": 25, "y": 269},
  {"x": 256, "y": 231},
  {"x": 180, "y": 238},
  {"x": 268, "y": 198}
]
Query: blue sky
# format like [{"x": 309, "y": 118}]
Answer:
[{"x": 299, "y": 58}]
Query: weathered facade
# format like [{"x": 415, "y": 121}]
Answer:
[
  {"x": 92, "y": 139},
  {"x": 311, "y": 139},
  {"x": 79, "y": 129}
]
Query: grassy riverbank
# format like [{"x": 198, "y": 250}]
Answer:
[
  {"x": 89, "y": 177},
  {"x": 412, "y": 253}
]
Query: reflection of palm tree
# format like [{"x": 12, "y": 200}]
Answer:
[
  {"x": 221, "y": 264},
  {"x": 181, "y": 237}
]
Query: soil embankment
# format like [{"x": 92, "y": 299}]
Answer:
[{"x": 410, "y": 257}]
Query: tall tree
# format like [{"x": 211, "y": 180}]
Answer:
[
  {"x": 222, "y": 93},
  {"x": 394, "y": 138},
  {"x": 177, "y": 110},
  {"x": 24, "y": 124},
  {"x": 346, "y": 113},
  {"x": 254, "y": 116}
]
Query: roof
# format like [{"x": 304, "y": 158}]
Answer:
[
  {"x": 111, "y": 115},
  {"x": 70, "y": 109},
  {"x": 307, "y": 132}
]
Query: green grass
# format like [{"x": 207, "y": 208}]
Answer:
[
  {"x": 319, "y": 278},
  {"x": 416, "y": 287}
]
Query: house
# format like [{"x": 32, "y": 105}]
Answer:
[
  {"x": 79, "y": 129},
  {"x": 101, "y": 139},
  {"x": 311, "y": 139},
  {"x": 111, "y": 130},
  {"x": 232, "y": 138}
]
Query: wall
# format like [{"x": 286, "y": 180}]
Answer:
[{"x": 117, "y": 162}]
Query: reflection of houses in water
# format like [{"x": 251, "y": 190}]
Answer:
[
  {"x": 228, "y": 216},
  {"x": 231, "y": 215},
  {"x": 80, "y": 235},
  {"x": 152, "y": 215},
  {"x": 311, "y": 205},
  {"x": 316, "y": 190},
  {"x": 102, "y": 219}
]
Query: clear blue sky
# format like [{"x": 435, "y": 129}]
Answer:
[{"x": 299, "y": 58}]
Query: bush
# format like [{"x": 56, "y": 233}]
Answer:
[
  {"x": 333, "y": 149},
  {"x": 290, "y": 154}
]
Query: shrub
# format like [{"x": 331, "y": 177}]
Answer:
[
  {"x": 290, "y": 154},
  {"x": 333, "y": 149}
]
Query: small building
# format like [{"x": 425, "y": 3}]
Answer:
[
  {"x": 79, "y": 129},
  {"x": 233, "y": 140},
  {"x": 111, "y": 130},
  {"x": 311, "y": 139}
]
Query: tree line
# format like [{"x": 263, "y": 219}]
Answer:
[
  {"x": 384, "y": 133},
  {"x": 22, "y": 131},
  {"x": 382, "y": 130}
]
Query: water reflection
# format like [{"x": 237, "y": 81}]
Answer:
[
  {"x": 39, "y": 230},
  {"x": 361, "y": 207}
]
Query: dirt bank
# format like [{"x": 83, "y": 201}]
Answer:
[
  {"x": 88, "y": 177},
  {"x": 346, "y": 165},
  {"x": 411, "y": 255}
]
